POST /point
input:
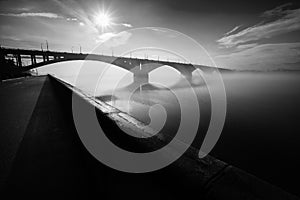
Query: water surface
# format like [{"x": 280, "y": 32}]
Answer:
[{"x": 261, "y": 131}]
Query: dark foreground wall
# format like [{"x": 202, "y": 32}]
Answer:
[{"x": 51, "y": 162}]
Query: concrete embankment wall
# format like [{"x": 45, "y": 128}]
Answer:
[{"x": 52, "y": 160}]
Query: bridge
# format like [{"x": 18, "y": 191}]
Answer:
[{"x": 139, "y": 67}]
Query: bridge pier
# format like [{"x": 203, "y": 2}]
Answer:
[
  {"x": 19, "y": 60},
  {"x": 2, "y": 56},
  {"x": 141, "y": 77},
  {"x": 33, "y": 59},
  {"x": 187, "y": 75},
  {"x": 45, "y": 58}
]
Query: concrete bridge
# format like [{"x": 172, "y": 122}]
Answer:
[{"x": 139, "y": 67}]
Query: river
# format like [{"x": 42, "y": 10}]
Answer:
[{"x": 261, "y": 130}]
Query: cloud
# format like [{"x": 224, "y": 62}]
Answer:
[
  {"x": 263, "y": 57},
  {"x": 26, "y": 9},
  {"x": 233, "y": 30},
  {"x": 287, "y": 21},
  {"x": 84, "y": 15},
  {"x": 278, "y": 11},
  {"x": 43, "y": 14},
  {"x": 114, "y": 39},
  {"x": 159, "y": 30},
  {"x": 122, "y": 24},
  {"x": 10, "y": 37},
  {"x": 72, "y": 19},
  {"x": 74, "y": 9},
  {"x": 246, "y": 46},
  {"x": 105, "y": 36},
  {"x": 164, "y": 32},
  {"x": 127, "y": 25}
]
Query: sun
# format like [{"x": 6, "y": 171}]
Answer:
[{"x": 103, "y": 20}]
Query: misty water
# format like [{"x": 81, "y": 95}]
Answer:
[{"x": 261, "y": 131}]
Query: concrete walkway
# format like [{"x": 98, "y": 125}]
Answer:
[{"x": 17, "y": 101}]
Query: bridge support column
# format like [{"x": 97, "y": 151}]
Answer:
[
  {"x": 141, "y": 78},
  {"x": 33, "y": 59},
  {"x": 2, "y": 56},
  {"x": 2, "y": 63},
  {"x": 187, "y": 75},
  {"x": 19, "y": 60}
]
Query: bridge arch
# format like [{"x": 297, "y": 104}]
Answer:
[
  {"x": 145, "y": 69},
  {"x": 140, "y": 68},
  {"x": 159, "y": 75}
]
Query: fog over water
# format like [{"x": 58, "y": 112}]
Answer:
[{"x": 261, "y": 131}]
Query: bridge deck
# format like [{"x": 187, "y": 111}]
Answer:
[{"x": 57, "y": 56}]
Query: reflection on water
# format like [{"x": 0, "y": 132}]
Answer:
[{"x": 261, "y": 132}]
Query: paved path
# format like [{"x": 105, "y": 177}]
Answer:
[{"x": 17, "y": 100}]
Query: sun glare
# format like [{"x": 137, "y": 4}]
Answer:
[{"x": 103, "y": 20}]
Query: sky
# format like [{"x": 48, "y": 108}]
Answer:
[{"x": 259, "y": 35}]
